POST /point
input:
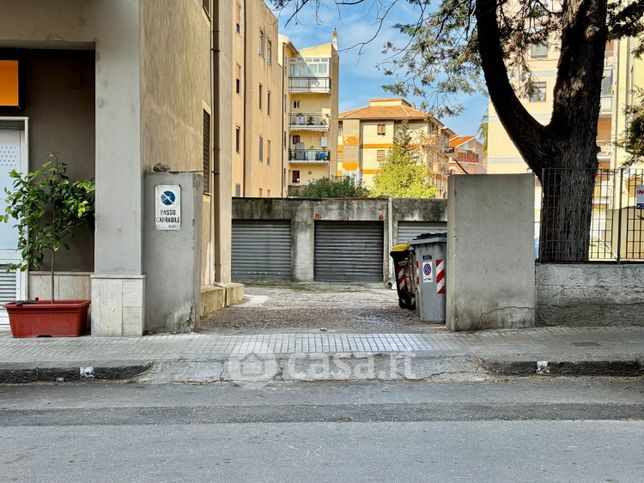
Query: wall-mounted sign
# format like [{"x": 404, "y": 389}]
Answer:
[
  {"x": 167, "y": 207},
  {"x": 9, "y": 83},
  {"x": 639, "y": 196}
]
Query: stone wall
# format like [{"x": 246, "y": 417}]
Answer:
[{"x": 590, "y": 294}]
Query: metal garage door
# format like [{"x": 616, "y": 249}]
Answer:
[
  {"x": 261, "y": 250},
  {"x": 348, "y": 251},
  {"x": 408, "y": 230}
]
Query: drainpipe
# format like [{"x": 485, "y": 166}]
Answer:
[
  {"x": 215, "y": 205},
  {"x": 245, "y": 96}
]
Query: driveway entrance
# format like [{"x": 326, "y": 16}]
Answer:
[{"x": 330, "y": 307}]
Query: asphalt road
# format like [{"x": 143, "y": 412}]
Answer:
[{"x": 545, "y": 430}]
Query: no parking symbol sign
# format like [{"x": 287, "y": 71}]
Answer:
[{"x": 428, "y": 271}]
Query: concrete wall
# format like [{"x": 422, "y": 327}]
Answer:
[
  {"x": 172, "y": 259},
  {"x": 490, "y": 252},
  {"x": 590, "y": 294},
  {"x": 304, "y": 212}
]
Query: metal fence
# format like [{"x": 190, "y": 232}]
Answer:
[{"x": 616, "y": 218}]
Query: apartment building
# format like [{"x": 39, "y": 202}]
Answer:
[
  {"x": 122, "y": 94},
  {"x": 311, "y": 110},
  {"x": 623, "y": 75},
  {"x": 367, "y": 134},
  {"x": 285, "y": 106},
  {"x": 257, "y": 160},
  {"x": 466, "y": 155}
]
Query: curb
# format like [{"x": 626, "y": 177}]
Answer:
[
  {"x": 43, "y": 372},
  {"x": 610, "y": 367}
]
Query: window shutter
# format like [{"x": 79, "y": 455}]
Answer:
[{"x": 206, "y": 152}]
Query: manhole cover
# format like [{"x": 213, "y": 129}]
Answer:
[{"x": 586, "y": 344}]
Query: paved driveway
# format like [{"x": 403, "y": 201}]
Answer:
[{"x": 331, "y": 307}]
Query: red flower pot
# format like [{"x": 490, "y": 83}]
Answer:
[{"x": 64, "y": 318}]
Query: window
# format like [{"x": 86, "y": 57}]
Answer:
[
  {"x": 340, "y": 156},
  {"x": 261, "y": 149},
  {"x": 538, "y": 92},
  {"x": 382, "y": 129},
  {"x": 237, "y": 190},
  {"x": 261, "y": 43},
  {"x": 206, "y": 7},
  {"x": 310, "y": 67},
  {"x": 261, "y": 94},
  {"x": 261, "y": 192},
  {"x": 285, "y": 102},
  {"x": 296, "y": 139},
  {"x": 206, "y": 151},
  {"x": 380, "y": 155},
  {"x": 238, "y": 18},
  {"x": 268, "y": 103},
  {"x": 296, "y": 104},
  {"x": 284, "y": 139},
  {"x": 238, "y": 80},
  {"x": 295, "y": 177},
  {"x": 539, "y": 51},
  {"x": 269, "y": 52},
  {"x": 268, "y": 193},
  {"x": 268, "y": 151},
  {"x": 237, "y": 138}
]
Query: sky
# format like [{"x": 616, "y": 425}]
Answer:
[{"x": 360, "y": 79}]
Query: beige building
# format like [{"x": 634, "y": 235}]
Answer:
[
  {"x": 466, "y": 155},
  {"x": 367, "y": 134},
  {"x": 311, "y": 114},
  {"x": 117, "y": 88},
  {"x": 285, "y": 106},
  {"x": 257, "y": 156},
  {"x": 623, "y": 75}
]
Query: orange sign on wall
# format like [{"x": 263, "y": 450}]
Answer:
[{"x": 9, "y": 87}]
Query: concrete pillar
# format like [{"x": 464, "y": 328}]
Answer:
[
  {"x": 118, "y": 283},
  {"x": 490, "y": 252}
]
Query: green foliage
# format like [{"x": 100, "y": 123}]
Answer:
[
  {"x": 48, "y": 207},
  {"x": 403, "y": 174},
  {"x": 483, "y": 133},
  {"x": 333, "y": 188}
]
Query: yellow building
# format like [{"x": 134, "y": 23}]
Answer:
[
  {"x": 623, "y": 74},
  {"x": 311, "y": 114},
  {"x": 367, "y": 134},
  {"x": 466, "y": 155},
  {"x": 285, "y": 106},
  {"x": 257, "y": 159}
]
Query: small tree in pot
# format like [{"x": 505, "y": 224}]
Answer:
[{"x": 48, "y": 208}]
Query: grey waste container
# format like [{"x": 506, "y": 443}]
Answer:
[{"x": 430, "y": 252}]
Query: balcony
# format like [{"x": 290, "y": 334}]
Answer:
[
  {"x": 605, "y": 149},
  {"x": 467, "y": 159},
  {"x": 606, "y": 106},
  {"x": 309, "y": 121},
  {"x": 313, "y": 85},
  {"x": 313, "y": 156}
]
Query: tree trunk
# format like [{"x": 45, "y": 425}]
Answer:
[
  {"x": 562, "y": 154},
  {"x": 566, "y": 210},
  {"x": 52, "y": 274}
]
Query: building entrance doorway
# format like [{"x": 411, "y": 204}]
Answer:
[{"x": 13, "y": 155}]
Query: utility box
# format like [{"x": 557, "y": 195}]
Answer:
[{"x": 430, "y": 252}]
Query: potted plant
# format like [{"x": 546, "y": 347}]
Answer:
[{"x": 47, "y": 208}]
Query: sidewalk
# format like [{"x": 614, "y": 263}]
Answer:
[{"x": 327, "y": 356}]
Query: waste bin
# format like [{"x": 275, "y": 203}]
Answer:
[
  {"x": 428, "y": 257},
  {"x": 401, "y": 255}
]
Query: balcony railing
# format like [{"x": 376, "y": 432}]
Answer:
[
  {"x": 309, "y": 84},
  {"x": 309, "y": 120},
  {"x": 605, "y": 149},
  {"x": 606, "y": 106},
  {"x": 467, "y": 159},
  {"x": 309, "y": 155}
]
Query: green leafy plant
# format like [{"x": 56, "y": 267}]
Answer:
[
  {"x": 47, "y": 208},
  {"x": 333, "y": 188}
]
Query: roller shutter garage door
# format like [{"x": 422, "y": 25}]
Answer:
[
  {"x": 261, "y": 250},
  {"x": 408, "y": 230},
  {"x": 348, "y": 251}
]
